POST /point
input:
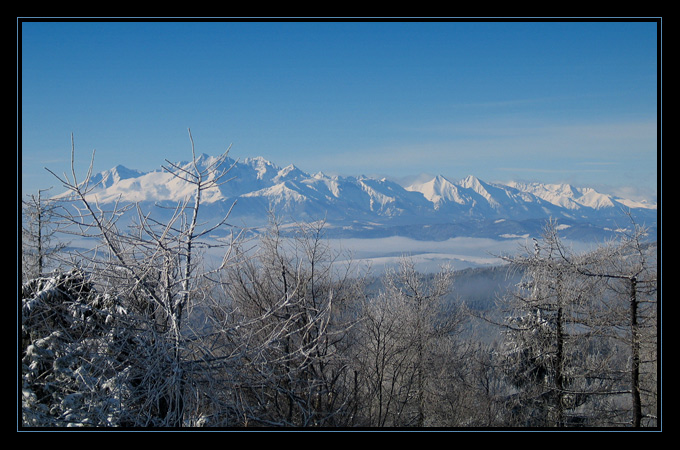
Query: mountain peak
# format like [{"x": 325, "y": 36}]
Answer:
[
  {"x": 350, "y": 200},
  {"x": 262, "y": 166},
  {"x": 566, "y": 195},
  {"x": 470, "y": 182},
  {"x": 114, "y": 175},
  {"x": 438, "y": 190},
  {"x": 257, "y": 159}
]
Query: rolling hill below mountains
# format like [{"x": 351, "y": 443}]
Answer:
[{"x": 438, "y": 209}]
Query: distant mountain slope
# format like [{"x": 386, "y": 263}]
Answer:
[{"x": 364, "y": 206}]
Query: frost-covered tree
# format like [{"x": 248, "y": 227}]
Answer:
[
  {"x": 152, "y": 268},
  {"x": 543, "y": 337},
  {"x": 38, "y": 235},
  {"x": 70, "y": 340},
  {"x": 572, "y": 330},
  {"x": 289, "y": 302},
  {"x": 627, "y": 268},
  {"x": 408, "y": 350}
]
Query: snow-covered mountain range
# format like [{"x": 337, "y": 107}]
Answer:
[{"x": 369, "y": 207}]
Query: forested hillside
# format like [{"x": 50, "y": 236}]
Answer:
[{"x": 142, "y": 331}]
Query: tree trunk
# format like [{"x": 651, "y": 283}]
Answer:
[
  {"x": 635, "y": 355},
  {"x": 559, "y": 365}
]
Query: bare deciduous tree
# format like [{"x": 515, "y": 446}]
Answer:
[
  {"x": 152, "y": 267},
  {"x": 289, "y": 301},
  {"x": 409, "y": 346},
  {"x": 38, "y": 232}
]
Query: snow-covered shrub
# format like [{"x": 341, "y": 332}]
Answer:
[{"x": 69, "y": 366}]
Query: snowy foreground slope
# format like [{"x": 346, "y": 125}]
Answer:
[{"x": 438, "y": 210}]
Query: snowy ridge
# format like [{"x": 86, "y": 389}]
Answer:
[
  {"x": 570, "y": 197},
  {"x": 112, "y": 176},
  {"x": 438, "y": 190},
  {"x": 257, "y": 185}
]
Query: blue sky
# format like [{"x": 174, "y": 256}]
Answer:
[{"x": 541, "y": 101}]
